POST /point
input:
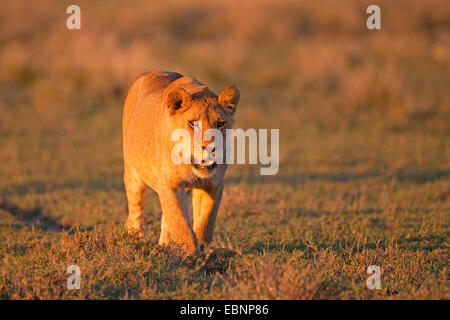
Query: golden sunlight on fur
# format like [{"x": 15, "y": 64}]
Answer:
[{"x": 157, "y": 104}]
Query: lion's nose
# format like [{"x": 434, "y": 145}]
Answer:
[{"x": 211, "y": 151}]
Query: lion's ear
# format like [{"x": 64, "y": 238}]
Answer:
[
  {"x": 229, "y": 98},
  {"x": 176, "y": 99}
]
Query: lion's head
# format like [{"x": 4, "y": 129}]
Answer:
[{"x": 197, "y": 113}]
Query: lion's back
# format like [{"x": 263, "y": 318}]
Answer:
[
  {"x": 143, "y": 122},
  {"x": 149, "y": 84}
]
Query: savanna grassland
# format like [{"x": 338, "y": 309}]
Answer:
[{"x": 364, "y": 172}]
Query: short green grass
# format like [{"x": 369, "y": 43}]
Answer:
[{"x": 364, "y": 150}]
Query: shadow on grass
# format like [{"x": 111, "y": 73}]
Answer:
[
  {"x": 406, "y": 175},
  {"x": 321, "y": 213},
  {"x": 262, "y": 247},
  {"x": 116, "y": 183},
  {"x": 220, "y": 260},
  {"x": 46, "y": 186},
  {"x": 425, "y": 243},
  {"x": 34, "y": 217},
  {"x": 346, "y": 246}
]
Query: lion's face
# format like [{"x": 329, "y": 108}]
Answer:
[{"x": 197, "y": 114}]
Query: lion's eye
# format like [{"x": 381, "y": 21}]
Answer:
[
  {"x": 193, "y": 123},
  {"x": 220, "y": 124}
]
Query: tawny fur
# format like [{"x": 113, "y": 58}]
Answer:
[{"x": 158, "y": 103}]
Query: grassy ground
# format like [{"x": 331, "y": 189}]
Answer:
[{"x": 364, "y": 147}]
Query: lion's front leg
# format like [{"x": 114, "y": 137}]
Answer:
[
  {"x": 175, "y": 225},
  {"x": 205, "y": 206},
  {"x": 135, "y": 189}
]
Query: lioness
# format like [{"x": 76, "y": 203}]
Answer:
[{"x": 156, "y": 105}]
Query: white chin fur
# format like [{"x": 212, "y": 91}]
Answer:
[{"x": 208, "y": 163}]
